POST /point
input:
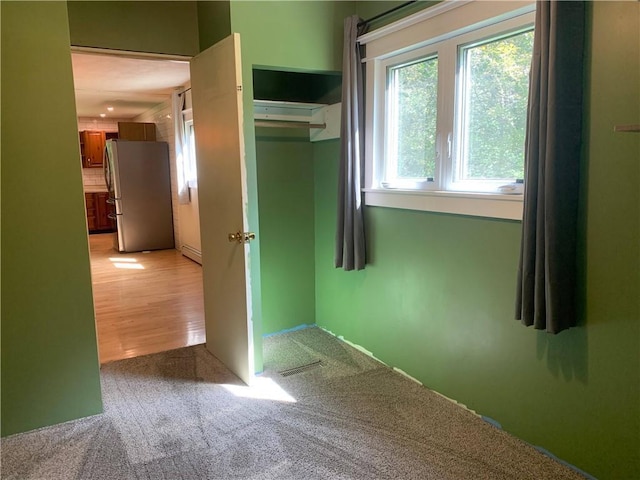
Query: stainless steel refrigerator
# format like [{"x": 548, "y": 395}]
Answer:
[{"x": 139, "y": 184}]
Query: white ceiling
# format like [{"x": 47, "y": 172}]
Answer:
[{"x": 130, "y": 85}]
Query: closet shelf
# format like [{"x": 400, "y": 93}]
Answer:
[
  {"x": 627, "y": 128},
  {"x": 322, "y": 120},
  {"x": 288, "y": 124},
  {"x": 285, "y": 111}
]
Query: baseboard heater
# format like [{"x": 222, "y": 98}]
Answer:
[{"x": 192, "y": 253}]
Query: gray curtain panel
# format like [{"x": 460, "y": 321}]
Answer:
[
  {"x": 546, "y": 296},
  {"x": 350, "y": 242}
]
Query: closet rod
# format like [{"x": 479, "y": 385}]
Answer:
[{"x": 283, "y": 124}]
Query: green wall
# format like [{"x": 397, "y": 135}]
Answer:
[
  {"x": 214, "y": 22},
  {"x": 141, "y": 26},
  {"x": 305, "y": 35},
  {"x": 437, "y": 299},
  {"x": 285, "y": 196},
  {"x": 50, "y": 370}
]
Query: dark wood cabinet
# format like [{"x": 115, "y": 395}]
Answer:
[
  {"x": 90, "y": 203},
  {"x": 103, "y": 208},
  {"x": 92, "y": 148},
  {"x": 137, "y": 131},
  {"x": 98, "y": 210}
]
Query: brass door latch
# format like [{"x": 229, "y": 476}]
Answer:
[{"x": 241, "y": 237}]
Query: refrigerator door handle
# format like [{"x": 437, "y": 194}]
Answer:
[{"x": 106, "y": 170}]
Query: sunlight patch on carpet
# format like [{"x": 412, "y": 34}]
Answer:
[{"x": 262, "y": 389}]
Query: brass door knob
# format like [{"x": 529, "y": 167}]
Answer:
[{"x": 241, "y": 237}]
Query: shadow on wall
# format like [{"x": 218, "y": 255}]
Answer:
[{"x": 566, "y": 353}]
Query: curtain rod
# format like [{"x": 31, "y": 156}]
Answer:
[{"x": 384, "y": 14}]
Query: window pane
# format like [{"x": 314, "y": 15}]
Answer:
[
  {"x": 411, "y": 137},
  {"x": 495, "y": 88},
  {"x": 193, "y": 169}
]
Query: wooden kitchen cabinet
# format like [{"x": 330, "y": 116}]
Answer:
[
  {"x": 137, "y": 131},
  {"x": 92, "y": 148},
  {"x": 90, "y": 203},
  {"x": 98, "y": 211},
  {"x": 103, "y": 222}
]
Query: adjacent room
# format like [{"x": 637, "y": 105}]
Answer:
[{"x": 140, "y": 189}]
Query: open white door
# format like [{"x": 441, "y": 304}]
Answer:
[{"x": 216, "y": 87}]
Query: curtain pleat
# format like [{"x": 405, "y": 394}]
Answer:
[
  {"x": 350, "y": 240},
  {"x": 547, "y": 274}
]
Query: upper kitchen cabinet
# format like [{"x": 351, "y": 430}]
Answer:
[
  {"x": 92, "y": 148},
  {"x": 137, "y": 131}
]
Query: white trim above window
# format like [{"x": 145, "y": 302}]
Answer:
[
  {"x": 422, "y": 53},
  {"x": 444, "y": 20}
]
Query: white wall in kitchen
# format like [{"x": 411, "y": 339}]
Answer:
[
  {"x": 93, "y": 180},
  {"x": 161, "y": 115}
]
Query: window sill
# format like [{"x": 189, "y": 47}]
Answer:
[{"x": 460, "y": 203}]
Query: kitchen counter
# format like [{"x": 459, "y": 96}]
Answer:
[{"x": 94, "y": 189}]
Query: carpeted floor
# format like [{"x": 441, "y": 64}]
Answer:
[{"x": 182, "y": 415}]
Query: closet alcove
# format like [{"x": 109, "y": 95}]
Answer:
[{"x": 297, "y": 129}]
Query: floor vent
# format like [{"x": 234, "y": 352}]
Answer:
[{"x": 302, "y": 368}]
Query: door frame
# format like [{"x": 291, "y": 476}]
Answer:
[
  {"x": 257, "y": 325},
  {"x": 132, "y": 55}
]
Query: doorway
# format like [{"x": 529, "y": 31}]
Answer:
[{"x": 148, "y": 301}]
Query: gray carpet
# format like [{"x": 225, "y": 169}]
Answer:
[{"x": 182, "y": 415}]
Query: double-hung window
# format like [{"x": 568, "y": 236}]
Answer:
[{"x": 446, "y": 106}]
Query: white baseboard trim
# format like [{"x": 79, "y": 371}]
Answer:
[{"x": 192, "y": 253}]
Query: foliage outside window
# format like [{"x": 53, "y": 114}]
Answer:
[
  {"x": 413, "y": 107},
  {"x": 494, "y": 86}
]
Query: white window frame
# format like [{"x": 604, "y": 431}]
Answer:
[
  {"x": 449, "y": 25},
  {"x": 491, "y": 33}
]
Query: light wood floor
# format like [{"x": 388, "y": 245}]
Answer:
[{"x": 144, "y": 302}]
